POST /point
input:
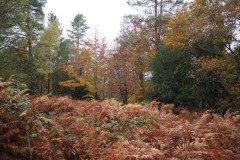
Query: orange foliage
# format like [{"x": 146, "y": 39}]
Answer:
[
  {"x": 75, "y": 81},
  {"x": 61, "y": 128}
]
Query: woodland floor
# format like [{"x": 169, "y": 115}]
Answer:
[{"x": 61, "y": 128}]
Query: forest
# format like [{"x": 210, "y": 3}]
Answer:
[{"x": 168, "y": 89}]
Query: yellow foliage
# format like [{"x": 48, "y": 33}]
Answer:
[
  {"x": 178, "y": 35},
  {"x": 203, "y": 20},
  {"x": 75, "y": 80},
  {"x": 71, "y": 84}
]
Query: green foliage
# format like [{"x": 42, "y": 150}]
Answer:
[
  {"x": 172, "y": 77},
  {"x": 183, "y": 79},
  {"x": 59, "y": 76},
  {"x": 205, "y": 33},
  {"x": 48, "y": 49},
  {"x": 64, "y": 53},
  {"x": 78, "y": 29},
  {"x": 21, "y": 24},
  {"x": 62, "y": 60},
  {"x": 11, "y": 15}
]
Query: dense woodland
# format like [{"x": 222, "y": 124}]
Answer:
[
  {"x": 155, "y": 94},
  {"x": 182, "y": 53}
]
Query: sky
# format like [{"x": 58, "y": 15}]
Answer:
[{"x": 106, "y": 15}]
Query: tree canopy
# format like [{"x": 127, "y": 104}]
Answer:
[{"x": 186, "y": 53}]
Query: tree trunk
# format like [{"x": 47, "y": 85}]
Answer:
[
  {"x": 156, "y": 24},
  {"x": 142, "y": 91},
  {"x": 49, "y": 85},
  {"x": 41, "y": 85}
]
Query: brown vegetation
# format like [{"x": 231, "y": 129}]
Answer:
[{"x": 61, "y": 128}]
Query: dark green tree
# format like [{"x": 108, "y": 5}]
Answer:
[
  {"x": 173, "y": 79},
  {"x": 78, "y": 29},
  {"x": 63, "y": 61},
  {"x": 21, "y": 24},
  {"x": 11, "y": 19}
]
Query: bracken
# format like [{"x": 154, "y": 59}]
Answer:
[{"x": 61, "y": 128}]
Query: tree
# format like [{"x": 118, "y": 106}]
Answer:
[
  {"x": 208, "y": 29},
  {"x": 121, "y": 76},
  {"x": 156, "y": 12},
  {"x": 128, "y": 65},
  {"x": 136, "y": 44},
  {"x": 94, "y": 64},
  {"x": 77, "y": 87},
  {"x": 78, "y": 29},
  {"x": 76, "y": 34},
  {"x": 51, "y": 18},
  {"x": 32, "y": 27},
  {"x": 210, "y": 23},
  {"x": 70, "y": 61},
  {"x": 10, "y": 22},
  {"x": 46, "y": 54},
  {"x": 65, "y": 52},
  {"x": 173, "y": 79},
  {"x": 33, "y": 23},
  {"x": 19, "y": 30}
]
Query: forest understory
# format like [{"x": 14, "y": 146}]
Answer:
[{"x": 61, "y": 128}]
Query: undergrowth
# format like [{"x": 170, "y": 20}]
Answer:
[{"x": 61, "y": 128}]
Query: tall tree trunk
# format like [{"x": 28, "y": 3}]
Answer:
[
  {"x": 156, "y": 24},
  {"x": 41, "y": 85},
  {"x": 141, "y": 78},
  {"x": 48, "y": 84}
]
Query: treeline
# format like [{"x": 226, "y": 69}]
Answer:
[{"x": 175, "y": 52}]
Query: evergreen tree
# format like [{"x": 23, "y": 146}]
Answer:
[
  {"x": 19, "y": 30},
  {"x": 78, "y": 29},
  {"x": 172, "y": 78}
]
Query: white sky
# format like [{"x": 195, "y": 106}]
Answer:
[{"x": 106, "y": 15}]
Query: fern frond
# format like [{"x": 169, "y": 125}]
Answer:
[
  {"x": 18, "y": 97},
  {"x": 5, "y": 84}
]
